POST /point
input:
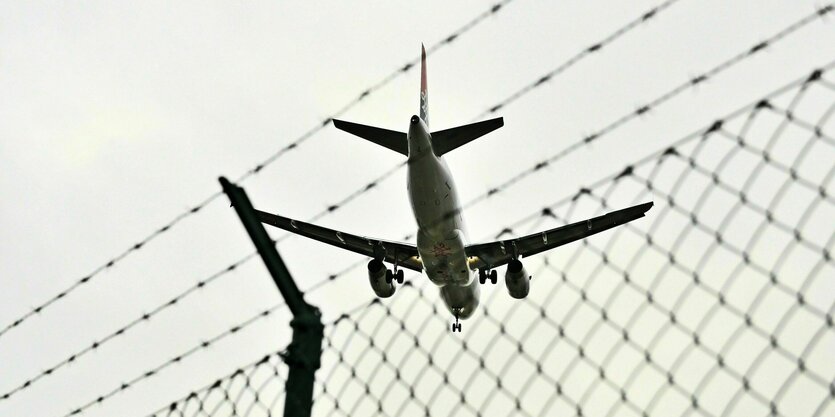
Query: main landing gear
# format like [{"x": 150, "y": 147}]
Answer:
[
  {"x": 397, "y": 275},
  {"x": 456, "y": 327},
  {"x": 483, "y": 276}
]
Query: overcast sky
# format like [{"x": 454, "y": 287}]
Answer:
[{"x": 117, "y": 117}]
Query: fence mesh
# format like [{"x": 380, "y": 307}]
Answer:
[{"x": 718, "y": 303}]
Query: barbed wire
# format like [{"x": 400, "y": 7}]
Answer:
[
  {"x": 331, "y": 208},
  {"x": 390, "y": 362},
  {"x": 268, "y": 161}
]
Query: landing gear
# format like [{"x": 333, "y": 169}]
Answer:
[
  {"x": 456, "y": 327},
  {"x": 394, "y": 276},
  {"x": 397, "y": 275},
  {"x": 483, "y": 276}
]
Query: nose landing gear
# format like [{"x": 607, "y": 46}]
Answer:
[
  {"x": 456, "y": 327},
  {"x": 483, "y": 276}
]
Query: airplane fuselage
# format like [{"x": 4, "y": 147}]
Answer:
[{"x": 441, "y": 236}]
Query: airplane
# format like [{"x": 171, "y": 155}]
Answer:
[{"x": 442, "y": 251}]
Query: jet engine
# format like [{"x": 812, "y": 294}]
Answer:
[
  {"x": 516, "y": 279},
  {"x": 377, "y": 277}
]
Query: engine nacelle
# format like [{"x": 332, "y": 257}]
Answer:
[
  {"x": 517, "y": 280},
  {"x": 377, "y": 277}
]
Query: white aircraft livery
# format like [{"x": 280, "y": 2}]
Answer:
[{"x": 442, "y": 250}]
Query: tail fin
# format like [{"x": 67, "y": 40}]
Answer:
[
  {"x": 424, "y": 93},
  {"x": 442, "y": 141}
]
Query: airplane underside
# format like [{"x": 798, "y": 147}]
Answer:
[{"x": 442, "y": 251}]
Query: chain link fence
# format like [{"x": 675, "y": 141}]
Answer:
[{"x": 718, "y": 303}]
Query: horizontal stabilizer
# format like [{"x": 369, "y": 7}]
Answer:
[
  {"x": 446, "y": 140},
  {"x": 391, "y": 139}
]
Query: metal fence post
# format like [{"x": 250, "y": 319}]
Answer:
[{"x": 305, "y": 350}]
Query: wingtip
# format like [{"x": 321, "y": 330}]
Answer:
[
  {"x": 422, "y": 51},
  {"x": 340, "y": 124}
]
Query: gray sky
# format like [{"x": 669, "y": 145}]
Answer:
[{"x": 116, "y": 117}]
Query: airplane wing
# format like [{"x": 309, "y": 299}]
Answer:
[
  {"x": 406, "y": 254},
  {"x": 494, "y": 254}
]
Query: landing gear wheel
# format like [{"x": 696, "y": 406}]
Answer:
[
  {"x": 389, "y": 276},
  {"x": 456, "y": 327},
  {"x": 399, "y": 276},
  {"x": 484, "y": 275}
]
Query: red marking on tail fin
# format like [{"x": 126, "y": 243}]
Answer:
[{"x": 424, "y": 93}]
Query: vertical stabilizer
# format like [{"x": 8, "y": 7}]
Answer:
[{"x": 424, "y": 93}]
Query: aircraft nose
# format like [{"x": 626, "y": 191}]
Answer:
[{"x": 415, "y": 119}]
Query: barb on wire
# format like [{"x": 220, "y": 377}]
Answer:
[{"x": 449, "y": 39}]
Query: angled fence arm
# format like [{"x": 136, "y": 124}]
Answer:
[{"x": 304, "y": 352}]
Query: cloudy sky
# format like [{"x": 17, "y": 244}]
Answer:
[{"x": 115, "y": 118}]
